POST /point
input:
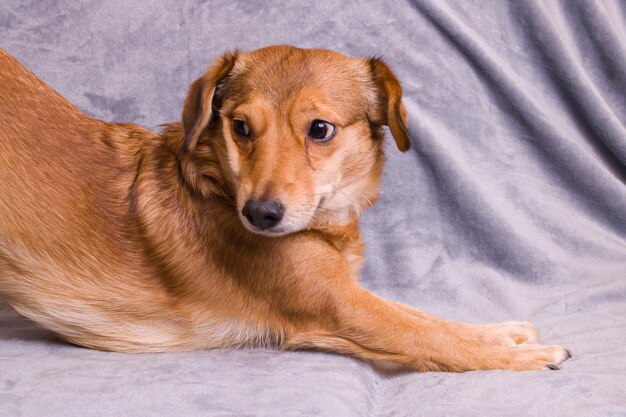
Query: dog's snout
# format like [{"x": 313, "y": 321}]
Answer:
[{"x": 263, "y": 214}]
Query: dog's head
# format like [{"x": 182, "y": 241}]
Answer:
[{"x": 299, "y": 132}]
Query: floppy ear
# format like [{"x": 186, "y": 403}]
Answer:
[
  {"x": 198, "y": 110},
  {"x": 388, "y": 109}
]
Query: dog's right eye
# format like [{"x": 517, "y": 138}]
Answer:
[{"x": 241, "y": 128}]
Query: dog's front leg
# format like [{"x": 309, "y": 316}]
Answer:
[
  {"x": 505, "y": 333},
  {"x": 378, "y": 330}
]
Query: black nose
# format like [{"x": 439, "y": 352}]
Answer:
[{"x": 263, "y": 214}]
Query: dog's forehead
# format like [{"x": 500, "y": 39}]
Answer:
[{"x": 280, "y": 73}]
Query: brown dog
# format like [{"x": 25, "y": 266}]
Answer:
[{"x": 238, "y": 227}]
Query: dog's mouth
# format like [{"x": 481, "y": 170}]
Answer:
[
  {"x": 279, "y": 229},
  {"x": 273, "y": 232},
  {"x": 272, "y": 218}
]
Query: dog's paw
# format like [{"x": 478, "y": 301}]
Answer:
[
  {"x": 512, "y": 333},
  {"x": 528, "y": 357},
  {"x": 509, "y": 333}
]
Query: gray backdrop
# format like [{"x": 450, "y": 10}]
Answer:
[{"x": 510, "y": 206}]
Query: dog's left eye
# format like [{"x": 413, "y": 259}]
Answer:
[
  {"x": 241, "y": 128},
  {"x": 321, "y": 131}
]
